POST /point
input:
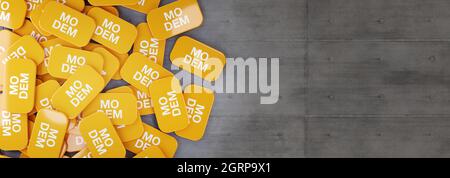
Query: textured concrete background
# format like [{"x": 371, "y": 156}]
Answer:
[{"x": 359, "y": 78}]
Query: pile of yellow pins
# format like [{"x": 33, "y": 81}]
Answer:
[{"x": 57, "y": 58}]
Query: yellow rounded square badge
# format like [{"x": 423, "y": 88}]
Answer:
[
  {"x": 112, "y": 31},
  {"x": 112, "y": 2},
  {"x": 151, "y": 47},
  {"x": 67, "y": 23},
  {"x": 64, "y": 61},
  {"x": 111, "y": 9},
  {"x": 140, "y": 72},
  {"x": 111, "y": 65},
  {"x": 144, "y": 6},
  {"x": 199, "y": 103},
  {"x": 13, "y": 129},
  {"x": 145, "y": 105},
  {"x": 175, "y": 18},
  {"x": 130, "y": 132},
  {"x": 12, "y": 13},
  {"x": 151, "y": 152},
  {"x": 29, "y": 29},
  {"x": 20, "y": 85},
  {"x": 8, "y": 38},
  {"x": 44, "y": 93},
  {"x": 48, "y": 134},
  {"x": 78, "y": 91},
  {"x": 169, "y": 104},
  {"x": 25, "y": 47},
  {"x": 101, "y": 137},
  {"x": 198, "y": 58},
  {"x": 121, "y": 108},
  {"x": 153, "y": 138},
  {"x": 122, "y": 57}
]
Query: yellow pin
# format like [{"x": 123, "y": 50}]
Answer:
[
  {"x": 47, "y": 138},
  {"x": 78, "y": 91},
  {"x": 198, "y": 58},
  {"x": 67, "y": 23},
  {"x": 112, "y": 31},
  {"x": 175, "y": 18},
  {"x": 153, "y": 138},
  {"x": 101, "y": 137},
  {"x": 169, "y": 104},
  {"x": 199, "y": 103}
]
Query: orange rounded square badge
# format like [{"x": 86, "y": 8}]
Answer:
[
  {"x": 175, "y": 18},
  {"x": 67, "y": 23},
  {"x": 112, "y": 31}
]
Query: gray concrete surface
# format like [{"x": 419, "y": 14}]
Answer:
[{"x": 359, "y": 78}]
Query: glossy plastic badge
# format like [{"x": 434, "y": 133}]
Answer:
[
  {"x": 121, "y": 108},
  {"x": 67, "y": 24},
  {"x": 13, "y": 129},
  {"x": 198, "y": 58},
  {"x": 47, "y": 138},
  {"x": 144, "y": 6},
  {"x": 78, "y": 91},
  {"x": 199, "y": 103},
  {"x": 131, "y": 132},
  {"x": 175, "y": 18},
  {"x": 151, "y": 152},
  {"x": 12, "y": 13},
  {"x": 110, "y": 9},
  {"x": 112, "y": 2},
  {"x": 128, "y": 132},
  {"x": 145, "y": 105},
  {"x": 122, "y": 57},
  {"x": 101, "y": 137},
  {"x": 151, "y": 47},
  {"x": 48, "y": 49},
  {"x": 8, "y": 38},
  {"x": 112, "y": 31},
  {"x": 169, "y": 104},
  {"x": 25, "y": 47},
  {"x": 64, "y": 61},
  {"x": 20, "y": 85},
  {"x": 153, "y": 137},
  {"x": 140, "y": 72},
  {"x": 111, "y": 65},
  {"x": 29, "y": 29},
  {"x": 44, "y": 93}
]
